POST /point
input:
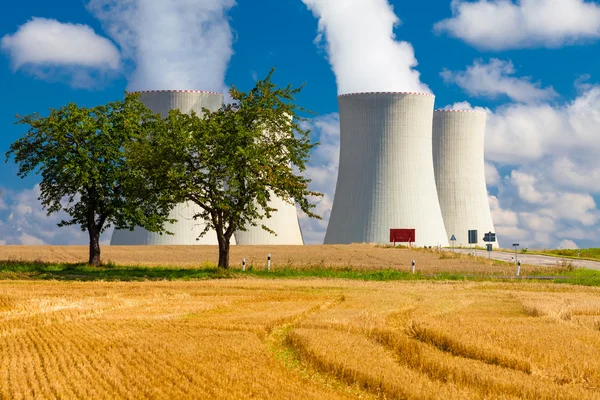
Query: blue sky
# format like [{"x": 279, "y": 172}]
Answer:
[{"x": 523, "y": 68}]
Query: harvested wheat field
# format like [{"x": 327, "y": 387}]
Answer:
[
  {"x": 355, "y": 256},
  {"x": 286, "y": 339}
]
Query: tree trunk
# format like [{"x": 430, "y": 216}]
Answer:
[
  {"x": 94, "y": 246},
  {"x": 223, "y": 251}
]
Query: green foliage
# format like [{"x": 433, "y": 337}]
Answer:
[
  {"x": 592, "y": 254},
  {"x": 81, "y": 155},
  {"x": 106, "y": 272},
  {"x": 37, "y": 270},
  {"x": 233, "y": 161}
]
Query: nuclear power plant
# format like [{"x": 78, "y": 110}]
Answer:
[
  {"x": 386, "y": 178},
  {"x": 458, "y": 146},
  {"x": 403, "y": 168},
  {"x": 186, "y": 230}
]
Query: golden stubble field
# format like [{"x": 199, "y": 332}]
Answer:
[
  {"x": 355, "y": 256},
  {"x": 283, "y": 339}
]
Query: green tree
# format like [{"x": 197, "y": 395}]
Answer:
[
  {"x": 233, "y": 161},
  {"x": 81, "y": 155}
]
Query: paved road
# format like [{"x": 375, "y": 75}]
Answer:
[{"x": 533, "y": 259}]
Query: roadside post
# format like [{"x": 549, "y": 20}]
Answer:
[
  {"x": 518, "y": 268},
  {"x": 453, "y": 239},
  {"x": 489, "y": 238},
  {"x": 515, "y": 245},
  {"x": 413, "y": 266},
  {"x": 243, "y": 264},
  {"x": 269, "y": 263},
  {"x": 473, "y": 238}
]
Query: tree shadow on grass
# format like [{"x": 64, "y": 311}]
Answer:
[{"x": 38, "y": 270}]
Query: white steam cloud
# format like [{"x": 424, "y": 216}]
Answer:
[
  {"x": 362, "y": 47},
  {"x": 178, "y": 44}
]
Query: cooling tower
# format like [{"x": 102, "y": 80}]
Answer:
[
  {"x": 386, "y": 178},
  {"x": 458, "y": 139},
  {"x": 186, "y": 230},
  {"x": 284, "y": 222}
]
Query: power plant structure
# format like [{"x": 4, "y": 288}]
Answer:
[
  {"x": 458, "y": 157},
  {"x": 386, "y": 177},
  {"x": 284, "y": 222},
  {"x": 402, "y": 167},
  {"x": 186, "y": 230}
]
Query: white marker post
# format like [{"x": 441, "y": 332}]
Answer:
[
  {"x": 269, "y": 263},
  {"x": 518, "y": 268},
  {"x": 243, "y": 264},
  {"x": 413, "y": 266}
]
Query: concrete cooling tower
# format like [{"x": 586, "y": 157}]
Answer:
[
  {"x": 458, "y": 154},
  {"x": 284, "y": 222},
  {"x": 386, "y": 177},
  {"x": 186, "y": 230}
]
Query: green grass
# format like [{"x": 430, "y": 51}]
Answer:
[
  {"x": 20, "y": 270},
  {"x": 84, "y": 272},
  {"x": 592, "y": 254}
]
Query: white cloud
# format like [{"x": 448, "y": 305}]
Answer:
[
  {"x": 494, "y": 79},
  {"x": 579, "y": 175},
  {"x": 362, "y": 47},
  {"x": 465, "y": 105},
  {"x": 180, "y": 44},
  {"x": 506, "y": 24},
  {"x": 567, "y": 244},
  {"x": 492, "y": 177},
  {"x": 28, "y": 240},
  {"x": 551, "y": 152},
  {"x": 500, "y": 216},
  {"x": 24, "y": 221},
  {"x": 322, "y": 170},
  {"x": 519, "y": 133},
  {"x": 52, "y": 50}
]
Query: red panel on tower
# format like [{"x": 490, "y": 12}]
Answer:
[{"x": 402, "y": 235}]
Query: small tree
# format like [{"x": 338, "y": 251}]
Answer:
[
  {"x": 233, "y": 161},
  {"x": 80, "y": 154}
]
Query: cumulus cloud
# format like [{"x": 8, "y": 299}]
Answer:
[
  {"x": 492, "y": 177},
  {"x": 494, "y": 79},
  {"x": 322, "y": 170},
  {"x": 518, "y": 133},
  {"x": 52, "y": 50},
  {"x": 567, "y": 244},
  {"x": 362, "y": 48},
  {"x": 180, "y": 44},
  {"x": 548, "y": 195},
  {"x": 506, "y": 24},
  {"x": 24, "y": 221}
]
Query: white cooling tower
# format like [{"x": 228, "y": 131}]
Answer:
[
  {"x": 458, "y": 155},
  {"x": 186, "y": 230},
  {"x": 284, "y": 222},
  {"x": 386, "y": 178}
]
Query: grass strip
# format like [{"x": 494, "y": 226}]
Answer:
[
  {"x": 22, "y": 270},
  {"x": 582, "y": 254}
]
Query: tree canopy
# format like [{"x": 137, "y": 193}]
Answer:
[
  {"x": 81, "y": 155},
  {"x": 233, "y": 161}
]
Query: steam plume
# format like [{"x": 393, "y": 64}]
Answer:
[
  {"x": 177, "y": 44},
  {"x": 362, "y": 47}
]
